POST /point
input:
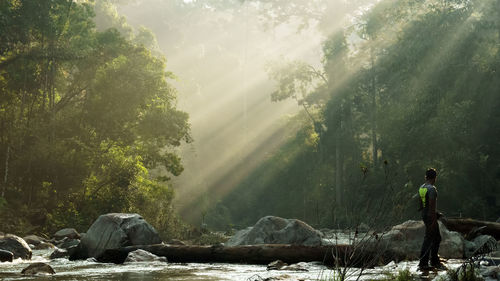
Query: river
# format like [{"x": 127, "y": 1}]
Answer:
[{"x": 91, "y": 270}]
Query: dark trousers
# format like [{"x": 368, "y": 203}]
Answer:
[{"x": 430, "y": 246}]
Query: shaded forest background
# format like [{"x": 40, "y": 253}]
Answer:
[
  {"x": 89, "y": 121},
  {"x": 409, "y": 85}
]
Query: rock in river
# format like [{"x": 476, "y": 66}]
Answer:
[
  {"x": 6, "y": 256},
  {"x": 44, "y": 245},
  {"x": 113, "y": 231},
  {"x": 407, "y": 238},
  {"x": 59, "y": 253},
  {"x": 482, "y": 244},
  {"x": 68, "y": 243},
  {"x": 276, "y": 230},
  {"x": 16, "y": 245},
  {"x": 70, "y": 233},
  {"x": 38, "y": 268},
  {"x": 34, "y": 240},
  {"x": 141, "y": 256}
]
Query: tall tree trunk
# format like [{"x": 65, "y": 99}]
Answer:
[
  {"x": 338, "y": 168},
  {"x": 373, "y": 89},
  {"x": 5, "y": 178}
]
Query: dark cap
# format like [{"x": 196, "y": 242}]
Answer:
[{"x": 430, "y": 174}]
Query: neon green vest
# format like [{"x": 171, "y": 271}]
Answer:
[{"x": 422, "y": 191}]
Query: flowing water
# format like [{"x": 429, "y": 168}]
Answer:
[{"x": 91, "y": 270}]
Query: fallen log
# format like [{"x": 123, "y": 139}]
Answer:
[
  {"x": 344, "y": 255},
  {"x": 466, "y": 226}
]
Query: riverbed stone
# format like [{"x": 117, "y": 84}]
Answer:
[
  {"x": 59, "y": 253},
  {"x": 406, "y": 239},
  {"x": 140, "y": 255},
  {"x": 113, "y": 231},
  {"x": 484, "y": 244},
  {"x": 492, "y": 272},
  {"x": 70, "y": 233},
  {"x": 67, "y": 243},
  {"x": 276, "y": 265},
  {"x": 34, "y": 239},
  {"x": 38, "y": 268},
  {"x": 280, "y": 265},
  {"x": 469, "y": 248},
  {"x": 6, "y": 256},
  {"x": 16, "y": 245},
  {"x": 276, "y": 230},
  {"x": 44, "y": 246}
]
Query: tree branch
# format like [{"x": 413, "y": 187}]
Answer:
[{"x": 318, "y": 73}]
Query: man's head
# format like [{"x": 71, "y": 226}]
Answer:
[{"x": 430, "y": 175}]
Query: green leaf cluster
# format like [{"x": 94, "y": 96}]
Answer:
[{"x": 84, "y": 115}]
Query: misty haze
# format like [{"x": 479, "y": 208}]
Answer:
[{"x": 250, "y": 139}]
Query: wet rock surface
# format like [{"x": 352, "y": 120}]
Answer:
[
  {"x": 143, "y": 256},
  {"x": 406, "y": 239},
  {"x": 6, "y": 256},
  {"x": 113, "y": 231},
  {"x": 276, "y": 230},
  {"x": 280, "y": 265},
  {"x": 68, "y": 243},
  {"x": 70, "y": 233},
  {"x": 16, "y": 245},
  {"x": 38, "y": 268},
  {"x": 492, "y": 272},
  {"x": 44, "y": 245},
  {"x": 34, "y": 239},
  {"x": 276, "y": 265},
  {"x": 59, "y": 253}
]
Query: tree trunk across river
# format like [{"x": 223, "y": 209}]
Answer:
[{"x": 259, "y": 254}]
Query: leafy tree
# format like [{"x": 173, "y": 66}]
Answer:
[{"x": 85, "y": 114}]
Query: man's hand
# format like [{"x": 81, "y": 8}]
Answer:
[{"x": 439, "y": 215}]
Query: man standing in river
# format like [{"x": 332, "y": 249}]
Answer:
[{"x": 432, "y": 238}]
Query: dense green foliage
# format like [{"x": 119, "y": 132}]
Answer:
[
  {"x": 84, "y": 115},
  {"x": 412, "y": 85}
]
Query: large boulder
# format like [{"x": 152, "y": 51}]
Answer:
[
  {"x": 406, "y": 239},
  {"x": 16, "y": 245},
  {"x": 276, "y": 230},
  {"x": 113, "y": 231}
]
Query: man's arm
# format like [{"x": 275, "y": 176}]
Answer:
[
  {"x": 432, "y": 205},
  {"x": 432, "y": 209}
]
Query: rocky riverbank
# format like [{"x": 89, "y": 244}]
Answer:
[{"x": 113, "y": 232}]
